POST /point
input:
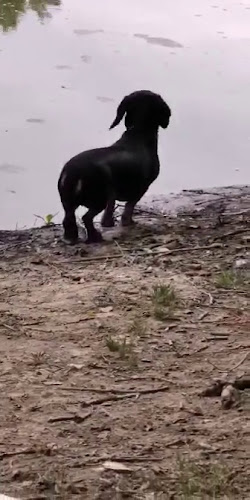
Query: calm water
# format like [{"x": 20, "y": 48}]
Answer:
[{"x": 64, "y": 66}]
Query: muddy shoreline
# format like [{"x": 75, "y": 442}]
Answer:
[{"x": 221, "y": 201}]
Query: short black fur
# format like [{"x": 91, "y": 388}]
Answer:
[{"x": 123, "y": 171}]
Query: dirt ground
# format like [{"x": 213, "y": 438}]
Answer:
[{"x": 106, "y": 351}]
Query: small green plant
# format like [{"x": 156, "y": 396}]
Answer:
[
  {"x": 54, "y": 483},
  {"x": 196, "y": 481},
  {"x": 161, "y": 313},
  {"x": 125, "y": 349},
  {"x": 114, "y": 345},
  {"x": 137, "y": 327},
  {"x": 38, "y": 358},
  {"x": 164, "y": 302},
  {"x": 229, "y": 280},
  {"x": 164, "y": 295},
  {"x": 47, "y": 219}
]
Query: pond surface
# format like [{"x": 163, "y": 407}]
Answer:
[{"x": 65, "y": 65}]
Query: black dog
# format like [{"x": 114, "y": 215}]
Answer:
[{"x": 124, "y": 171}]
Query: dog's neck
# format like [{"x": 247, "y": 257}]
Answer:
[{"x": 148, "y": 136}]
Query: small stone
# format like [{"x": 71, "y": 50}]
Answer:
[
  {"x": 242, "y": 263},
  {"x": 76, "y": 278},
  {"x": 106, "y": 309},
  {"x": 162, "y": 250},
  {"x": 229, "y": 397}
]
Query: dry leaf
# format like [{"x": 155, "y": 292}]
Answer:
[
  {"x": 162, "y": 250},
  {"x": 117, "y": 466},
  {"x": 73, "y": 366},
  {"x": 106, "y": 309}
]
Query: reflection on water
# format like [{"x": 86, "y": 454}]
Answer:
[
  {"x": 86, "y": 32},
  {"x": 61, "y": 82},
  {"x": 10, "y": 169},
  {"x": 158, "y": 40},
  {"x": 12, "y": 10}
]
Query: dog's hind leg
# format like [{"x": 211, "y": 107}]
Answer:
[
  {"x": 127, "y": 215},
  {"x": 93, "y": 236},
  {"x": 70, "y": 226},
  {"x": 108, "y": 216}
]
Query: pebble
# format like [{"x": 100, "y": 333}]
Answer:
[{"x": 242, "y": 263}]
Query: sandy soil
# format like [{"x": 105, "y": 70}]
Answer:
[{"x": 106, "y": 352}]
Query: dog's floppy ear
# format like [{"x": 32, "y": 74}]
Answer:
[
  {"x": 164, "y": 114},
  {"x": 121, "y": 110}
]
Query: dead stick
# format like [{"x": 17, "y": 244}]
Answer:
[
  {"x": 231, "y": 233},
  {"x": 141, "y": 458},
  {"x": 211, "y": 299},
  {"x": 123, "y": 459},
  {"x": 214, "y": 366},
  {"x": 119, "y": 397},
  {"x": 203, "y": 348},
  {"x": 218, "y": 337},
  {"x": 146, "y": 459},
  {"x": 25, "y": 451},
  {"x": 232, "y": 214},
  {"x": 78, "y": 419},
  {"x": 136, "y": 459},
  {"x": 115, "y": 391},
  {"x": 8, "y": 327},
  {"x": 144, "y": 254},
  {"x": 203, "y": 315},
  {"x": 240, "y": 362},
  {"x": 100, "y": 401}
]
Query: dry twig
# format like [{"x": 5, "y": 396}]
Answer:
[
  {"x": 143, "y": 253},
  {"x": 24, "y": 451},
  {"x": 231, "y": 233},
  {"x": 240, "y": 362},
  {"x": 118, "y": 397},
  {"x": 8, "y": 327},
  {"x": 78, "y": 419}
]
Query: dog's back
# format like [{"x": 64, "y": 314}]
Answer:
[{"x": 122, "y": 171}]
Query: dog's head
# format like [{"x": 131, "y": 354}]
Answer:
[{"x": 143, "y": 108}]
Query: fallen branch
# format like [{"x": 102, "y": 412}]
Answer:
[
  {"x": 8, "y": 327},
  {"x": 203, "y": 348},
  {"x": 134, "y": 459},
  {"x": 240, "y": 362},
  {"x": 217, "y": 338},
  {"x": 232, "y": 214},
  {"x": 211, "y": 299},
  {"x": 203, "y": 315},
  {"x": 230, "y": 369},
  {"x": 143, "y": 253},
  {"x": 216, "y": 367},
  {"x": 114, "y": 391},
  {"x": 140, "y": 458},
  {"x": 78, "y": 419},
  {"x": 24, "y": 451},
  {"x": 100, "y": 401},
  {"x": 114, "y": 397},
  {"x": 239, "y": 346},
  {"x": 232, "y": 233}
]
